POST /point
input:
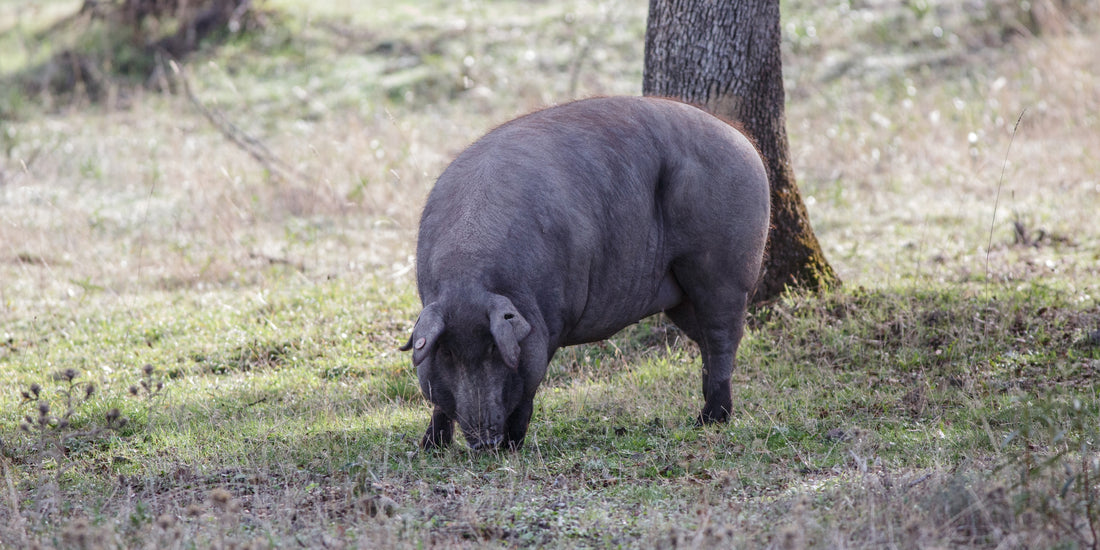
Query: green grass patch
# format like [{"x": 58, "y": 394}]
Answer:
[{"x": 832, "y": 391}]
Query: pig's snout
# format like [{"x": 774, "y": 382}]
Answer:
[{"x": 478, "y": 443}]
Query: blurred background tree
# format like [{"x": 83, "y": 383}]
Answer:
[
  {"x": 112, "y": 45},
  {"x": 174, "y": 27}
]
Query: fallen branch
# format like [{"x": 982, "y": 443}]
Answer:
[
  {"x": 254, "y": 147},
  {"x": 918, "y": 481}
]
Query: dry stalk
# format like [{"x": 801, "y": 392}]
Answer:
[{"x": 997, "y": 197}]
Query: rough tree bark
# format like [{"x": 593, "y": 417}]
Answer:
[{"x": 724, "y": 56}]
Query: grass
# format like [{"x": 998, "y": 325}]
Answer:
[
  {"x": 851, "y": 396},
  {"x": 945, "y": 396}
]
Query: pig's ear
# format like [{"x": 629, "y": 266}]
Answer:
[
  {"x": 428, "y": 328},
  {"x": 509, "y": 328}
]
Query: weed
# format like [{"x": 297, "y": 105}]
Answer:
[
  {"x": 57, "y": 429},
  {"x": 150, "y": 385}
]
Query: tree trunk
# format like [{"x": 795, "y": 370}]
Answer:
[{"x": 724, "y": 56}]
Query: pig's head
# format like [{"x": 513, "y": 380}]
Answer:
[{"x": 467, "y": 355}]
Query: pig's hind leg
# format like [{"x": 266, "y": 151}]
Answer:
[{"x": 713, "y": 315}]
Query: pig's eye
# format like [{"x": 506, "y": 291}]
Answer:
[{"x": 492, "y": 349}]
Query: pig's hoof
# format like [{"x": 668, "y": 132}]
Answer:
[
  {"x": 721, "y": 416},
  {"x": 434, "y": 441}
]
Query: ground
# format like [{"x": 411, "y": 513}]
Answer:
[{"x": 241, "y": 303}]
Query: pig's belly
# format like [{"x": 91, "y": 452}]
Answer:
[{"x": 603, "y": 316}]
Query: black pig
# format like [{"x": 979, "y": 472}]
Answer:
[{"x": 566, "y": 225}]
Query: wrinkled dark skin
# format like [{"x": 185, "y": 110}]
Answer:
[{"x": 566, "y": 225}]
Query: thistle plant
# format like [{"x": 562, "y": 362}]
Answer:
[
  {"x": 51, "y": 423},
  {"x": 151, "y": 384},
  {"x": 55, "y": 428}
]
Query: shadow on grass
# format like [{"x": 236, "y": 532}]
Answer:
[{"x": 954, "y": 416}]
